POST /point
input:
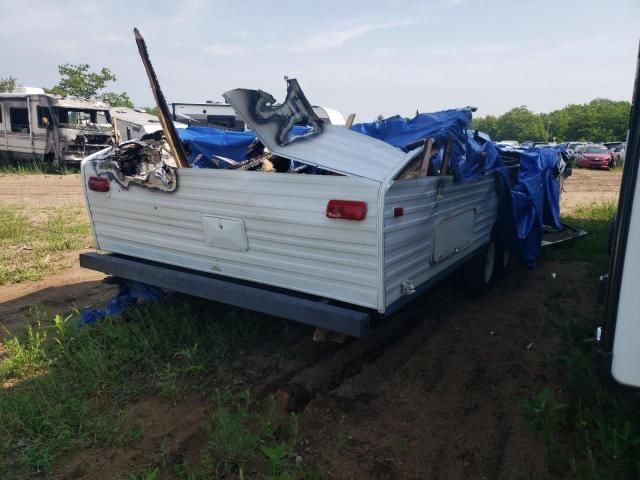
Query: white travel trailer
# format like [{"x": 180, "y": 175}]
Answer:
[
  {"x": 223, "y": 116},
  {"x": 334, "y": 249},
  {"x": 134, "y": 123},
  {"x": 35, "y": 125}
]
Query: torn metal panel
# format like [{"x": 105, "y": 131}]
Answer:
[
  {"x": 295, "y": 110},
  {"x": 140, "y": 162},
  {"x": 330, "y": 147}
]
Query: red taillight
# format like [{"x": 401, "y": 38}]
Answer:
[
  {"x": 98, "y": 184},
  {"x": 398, "y": 211},
  {"x": 347, "y": 209}
]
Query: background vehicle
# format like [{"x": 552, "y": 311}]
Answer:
[
  {"x": 134, "y": 123},
  {"x": 594, "y": 156},
  {"x": 35, "y": 125},
  {"x": 222, "y": 115}
]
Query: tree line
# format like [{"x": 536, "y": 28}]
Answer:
[{"x": 600, "y": 120}]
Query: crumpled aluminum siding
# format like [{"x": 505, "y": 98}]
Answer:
[
  {"x": 292, "y": 244},
  {"x": 409, "y": 239},
  {"x": 336, "y": 148}
]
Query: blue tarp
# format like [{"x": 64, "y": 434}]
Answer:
[
  {"x": 129, "y": 293},
  {"x": 534, "y": 200},
  {"x": 525, "y": 207},
  {"x": 207, "y": 142}
]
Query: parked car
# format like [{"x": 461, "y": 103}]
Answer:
[{"x": 594, "y": 156}]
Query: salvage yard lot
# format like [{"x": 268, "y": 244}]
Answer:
[{"x": 500, "y": 386}]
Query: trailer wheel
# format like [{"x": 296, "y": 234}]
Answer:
[{"x": 479, "y": 274}]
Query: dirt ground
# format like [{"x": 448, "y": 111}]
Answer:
[
  {"x": 590, "y": 186},
  {"x": 432, "y": 394}
]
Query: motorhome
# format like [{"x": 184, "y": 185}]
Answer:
[{"x": 39, "y": 126}]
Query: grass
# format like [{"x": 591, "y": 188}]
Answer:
[
  {"x": 66, "y": 388},
  {"x": 594, "y": 433},
  {"x": 32, "y": 167},
  {"x": 595, "y": 219},
  {"x": 32, "y": 243}
]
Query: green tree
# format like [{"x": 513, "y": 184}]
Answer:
[
  {"x": 80, "y": 81},
  {"x": 153, "y": 111},
  {"x": 8, "y": 84},
  {"x": 521, "y": 124},
  {"x": 117, "y": 99},
  {"x": 487, "y": 124}
]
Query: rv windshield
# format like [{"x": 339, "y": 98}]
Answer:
[{"x": 81, "y": 117}]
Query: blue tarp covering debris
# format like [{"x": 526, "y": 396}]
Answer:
[
  {"x": 526, "y": 205},
  {"x": 211, "y": 141},
  {"x": 129, "y": 293},
  {"x": 441, "y": 126},
  {"x": 534, "y": 201}
]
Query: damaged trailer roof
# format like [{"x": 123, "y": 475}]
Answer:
[{"x": 327, "y": 146}]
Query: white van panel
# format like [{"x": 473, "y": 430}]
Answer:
[{"x": 625, "y": 364}]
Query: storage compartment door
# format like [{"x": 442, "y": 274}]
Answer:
[{"x": 453, "y": 234}]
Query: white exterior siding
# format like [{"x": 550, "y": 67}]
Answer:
[
  {"x": 408, "y": 240},
  {"x": 291, "y": 242}
]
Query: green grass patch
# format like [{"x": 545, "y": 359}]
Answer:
[
  {"x": 30, "y": 167},
  {"x": 66, "y": 387},
  {"x": 595, "y": 433},
  {"x": 595, "y": 219},
  {"x": 32, "y": 242}
]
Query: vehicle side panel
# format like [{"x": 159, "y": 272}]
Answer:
[
  {"x": 290, "y": 242},
  {"x": 437, "y": 213}
]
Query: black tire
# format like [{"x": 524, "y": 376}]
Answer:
[{"x": 479, "y": 273}]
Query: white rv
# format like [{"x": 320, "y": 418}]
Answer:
[
  {"x": 133, "y": 123},
  {"x": 38, "y": 126},
  {"x": 222, "y": 115}
]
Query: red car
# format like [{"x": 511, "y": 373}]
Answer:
[{"x": 594, "y": 156}]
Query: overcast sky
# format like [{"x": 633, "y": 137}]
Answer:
[{"x": 367, "y": 57}]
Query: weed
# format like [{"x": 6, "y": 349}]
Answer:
[
  {"x": 542, "y": 414},
  {"x": 150, "y": 475}
]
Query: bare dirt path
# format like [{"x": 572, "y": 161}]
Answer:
[
  {"x": 585, "y": 187},
  {"x": 41, "y": 190}
]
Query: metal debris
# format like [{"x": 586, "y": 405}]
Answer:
[{"x": 147, "y": 163}]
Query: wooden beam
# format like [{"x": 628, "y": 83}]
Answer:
[
  {"x": 168, "y": 127},
  {"x": 350, "y": 119},
  {"x": 426, "y": 158},
  {"x": 445, "y": 159}
]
